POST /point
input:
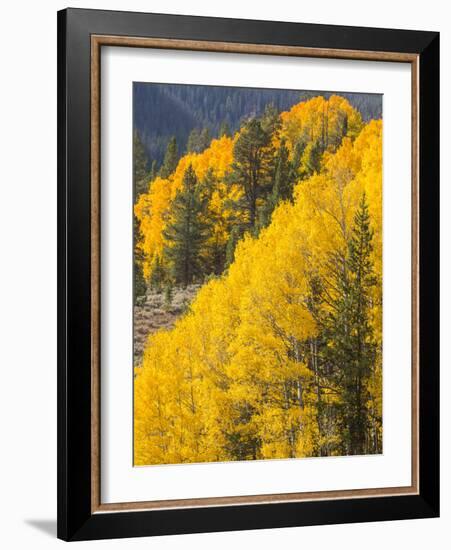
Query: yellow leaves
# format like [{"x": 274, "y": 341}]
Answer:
[
  {"x": 316, "y": 119},
  {"x": 175, "y": 403},
  {"x": 232, "y": 369},
  {"x": 153, "y": 208},
  {"x": 150, "y": 210},
  {"x": 326, "y": 203},
  {"x": 320, "y": 119},
  {"x": 218, "y": 155}
]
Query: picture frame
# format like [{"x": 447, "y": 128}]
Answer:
[{"x": 81, "y": 36}]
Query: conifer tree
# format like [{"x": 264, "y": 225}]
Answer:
[
  {"x": 139, "y": 283},
  {"x": 283, "y": 182},
  {"x": 140, "y": 166},
  {"x": 153, "y": 171},
  {"x": 187, "y": 232},
  {"x": 342, "y": 130},
  {"x": 234, "y": 237},
  {"x": 224, "y": 129},
  {"x": 265, "y": 213},
  {"x": 204, "y": 139},
  {"x": 362, "y": 280},
  {"x": 270, "y": 120},
  {"x": 198, "y": 140},
  {"x": 252, "y": 168},
  {"x": 140, "y": 160},
  {"x": 282, "y": 188},
  {"x": 312, "y": 158},
  {"x": 159, "y": 274},
  {"x": 348, "y": 327},
  {"x": 168, "y": 295},
  {"x": 208, "y": 183},
  {"x": 296, "y": 171},
  {"x": 170, "y": 159},
  {"x": 192, "y": 145},
  {"x": 140, "y": 180}
]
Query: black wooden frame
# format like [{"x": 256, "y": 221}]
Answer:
[{"x": 75, "y": 520}]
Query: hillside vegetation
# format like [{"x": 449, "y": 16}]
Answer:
[
  {"x": 280, "y": 353},
  {"x": 161, "y": 111}
]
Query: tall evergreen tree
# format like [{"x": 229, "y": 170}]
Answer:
[
  {"x": 341, "y": 132},
  {"x": 193, "y": 143},
  {"x": 153, "y": 170},
  {"x": 312, "y": 158},
  {"x": 204, "y": 139},
  {"x": 168, "y": 295},
  {"x": 139, "y": 283},
  {"x": 140, "y": 183},
  {"x": 234, "y": 237},
  {"x": 159, "y": 275},
  {"x": 362, "y": 281},
  {"x": 252, "y": 168},
  {"x": 296, "y": 172},
  {"x": 170, "y": 159},
  {"x": 198, "y": 140},
  {"x": 282, "y": 187},
  {"x": 187, "y": 232},
  {"x": 224, "y": 129},
  {"x": 349, "y": 328},
  {"x": 270, "y": 119},
  {"x": 283, "y": 182},
  {"x": 140, "y": 166}
]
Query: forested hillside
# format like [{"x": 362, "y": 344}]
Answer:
[
  {"x": 163, "y": 111},
  {"x": 279, "y": 354}
]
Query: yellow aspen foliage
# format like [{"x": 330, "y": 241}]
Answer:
[
  {"x": 238, "y": 377},
  {"x": 320, "y": 119},
  {"x": 153, "y": 208},
  {"x": 317, "y": 123}
]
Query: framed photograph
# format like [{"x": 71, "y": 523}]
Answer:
[{"x": 248, "y": 274}]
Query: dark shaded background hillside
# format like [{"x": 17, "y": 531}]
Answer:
[{"x": 164, "y": 110}]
